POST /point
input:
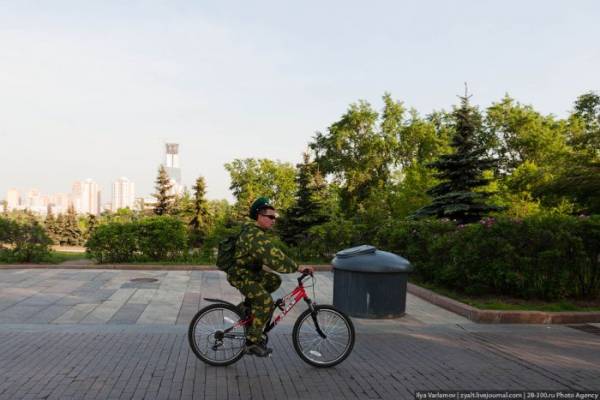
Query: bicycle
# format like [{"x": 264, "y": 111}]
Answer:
[{"x": 322, "y": 335}]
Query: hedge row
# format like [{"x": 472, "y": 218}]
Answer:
[
  {"x": 550, "y": 257},
  {"x": 25, "y": 241},
  {"x": 150, "y": 239}
]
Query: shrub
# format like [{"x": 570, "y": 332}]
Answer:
[
  {"x": 161, "y": 238},
  {"x": 547, "y": 257},
  {"x": 113, "y": 242},
  {"x": 24, "y": 241},
  {"x": 154, "y": 238}
]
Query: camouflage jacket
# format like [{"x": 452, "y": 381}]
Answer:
[{"x": 254, "y": 249}]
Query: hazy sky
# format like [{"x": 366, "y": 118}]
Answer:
[{"x": 92, "y": 89}]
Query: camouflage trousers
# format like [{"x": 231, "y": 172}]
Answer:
[{"x": 257, "y": 287}]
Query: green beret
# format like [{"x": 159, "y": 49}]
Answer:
[{"x": 260, "y": 204}]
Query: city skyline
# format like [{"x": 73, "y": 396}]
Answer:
[{"x": 85, "y": 197}]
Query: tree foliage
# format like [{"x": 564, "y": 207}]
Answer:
[
  {"x": 587, "y": 113},
  {"x": 461, "y": 172},
  {"x": 309, "y": 208},
  {"x": 201, "y": 220},
  {"x": 164, "y": 198},
  {"x": 252, "y": 178},
  {"x": 357, "y": 153}
]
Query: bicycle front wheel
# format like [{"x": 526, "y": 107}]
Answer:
[
  {"x": 329, "y": 347},
  {"x": 216, "y": 335}
]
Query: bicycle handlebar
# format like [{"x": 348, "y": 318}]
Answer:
[{"x": 304, "y": 274}]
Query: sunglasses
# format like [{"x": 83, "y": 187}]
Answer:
[{"x": 271, "y": 217}]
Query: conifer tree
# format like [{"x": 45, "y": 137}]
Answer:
[
  {"x": 201, "y": 219},
  {"x": 71, "y": 233},
  {"x": 164, "y": 200},
  {"x": 92, "y": 224},
  {"x": 461, "y": 172},
  {"x": 51, "y": 226},
  {"x": 60, "y": 228},
  {"x": 309, "y": 207}
]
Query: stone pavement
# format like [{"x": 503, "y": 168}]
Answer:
[{"x": 94, "y": 334}]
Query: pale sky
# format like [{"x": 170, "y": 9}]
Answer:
[{"x": 92, "y": 89}]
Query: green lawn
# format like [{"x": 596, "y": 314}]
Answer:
[
  {"x": 57, "y": 257},
  {"x": 512, "y": 304}
]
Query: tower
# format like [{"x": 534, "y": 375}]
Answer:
[
  {"x": 172, "y": 167},
  {"x": 172, "y": 162}
]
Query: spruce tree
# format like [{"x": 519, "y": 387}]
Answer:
[
  {"x": 200, "y": 221},
  {"x": 92, "y": 224},
  {"x": 60, "y": 229},
  {"x": 309, "y": 207},
  {"x": 51, "y": 226},
  {"x": 72, "y": 235},
  {"x": 164, "y": 200},
  {"x": 461, "y": 172}
]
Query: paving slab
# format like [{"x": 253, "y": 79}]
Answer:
[{"x": 89, "y": 335}]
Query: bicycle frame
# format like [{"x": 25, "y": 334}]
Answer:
[
  {"x": 299, "y": 293},
  {"x": 284, "y": 304}
]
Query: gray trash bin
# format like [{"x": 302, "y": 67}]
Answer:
[{"x": 370, "y": 283}]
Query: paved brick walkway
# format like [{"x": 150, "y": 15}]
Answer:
[{"x": 98, "y": 335}]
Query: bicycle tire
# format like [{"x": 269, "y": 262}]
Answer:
[
  {"x": 313, "y": 356},
  {"x": 194, "y": 336}
]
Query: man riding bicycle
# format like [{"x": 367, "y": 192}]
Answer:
[{"x": 253, "y": 250}]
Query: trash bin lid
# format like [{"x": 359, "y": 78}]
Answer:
[{"x": 367, "y": 258}]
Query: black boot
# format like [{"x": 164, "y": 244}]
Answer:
[{"x": 258, "y": 349}]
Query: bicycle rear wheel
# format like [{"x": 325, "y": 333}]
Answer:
[
  {"x": 321, "y": 351},
  {"x": 216, "y": 335}
]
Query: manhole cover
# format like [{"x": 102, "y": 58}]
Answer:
[{"x": 144, "y": 280}]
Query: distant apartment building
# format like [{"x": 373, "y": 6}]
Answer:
[
  {"x": 76, "y": 193},
  {"x": 87, "y": 197},
  {"x": 123, "y": 195},
  {"x": 60, "y": 202},
  {"x": 13, "y": 199},
  {"x": 34, "y": 199}
]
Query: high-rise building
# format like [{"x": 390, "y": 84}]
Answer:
[
  {"x": 90, "y": 197},
  {"x": 60, "y": 202},
  {"x": 34, "y": 200},
  {"x": 123, "y": 194},
  {"x": 13, "y": 200},
  {"x": 76, "y": 193}
]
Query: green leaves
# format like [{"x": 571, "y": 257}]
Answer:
[
  {"x": 157, "y": 238},
  {"x": 550, "y": 257},
  {"x": 252, "y": 178},
  {"x": 23, "y": 241}
]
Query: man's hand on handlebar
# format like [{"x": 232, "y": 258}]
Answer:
[{"x": 308, "y": 270}]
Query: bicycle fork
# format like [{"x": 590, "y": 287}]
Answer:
[{"x": 313, "y": 314}]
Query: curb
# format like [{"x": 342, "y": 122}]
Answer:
[{"x": 503, "y": 317}]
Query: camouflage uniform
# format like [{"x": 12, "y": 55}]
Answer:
[{"x": 253, "y": 250}]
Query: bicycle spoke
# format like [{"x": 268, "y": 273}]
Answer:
[
  {"x": 319, "y": 349},
  {"x": 211, "y": 326}
]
